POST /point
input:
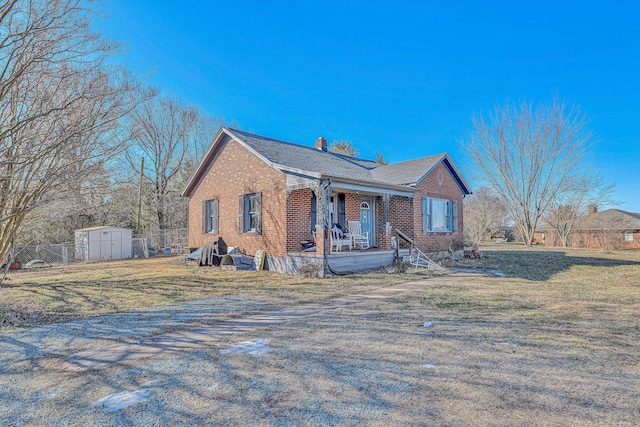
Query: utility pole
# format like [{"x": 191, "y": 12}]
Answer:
[{"x": 140, "y": 196}]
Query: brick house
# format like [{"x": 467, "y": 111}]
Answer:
[
  {"x": 261, "y": 193},
  {"x": 611, "y": 229}
]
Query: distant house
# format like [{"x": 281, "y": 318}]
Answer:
[
  {"x": 257, "y": 193},
  {"x": 611, "y": 228}
]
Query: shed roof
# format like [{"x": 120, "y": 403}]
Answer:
[{"x": 102, "y": 227}]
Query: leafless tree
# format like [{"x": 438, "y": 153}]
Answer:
[
  {"x": 483, "y": 211},
  {"x": 60, "y": 104},
  {"x": 344, "y": 147},
  {"x": 381, "y": 159},
  {"x": 570, "y": 206},
  {"x": 528, "y": 156},
  {"x": 172, "y": 137}
]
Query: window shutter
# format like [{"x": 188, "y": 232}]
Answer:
[
  {"x": 241, "y": 214},
  {"x": 214, "y": 214},
  {"x": 448, "y": 211},
  {"x": 455, "y": 216},
  {"x": 314, "y": 217},
  {"x": 204, "y": 217},
  {"x": 425, "y": 214},
  {"x": 259, "y": 212}
]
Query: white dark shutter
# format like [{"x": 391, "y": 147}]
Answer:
[
  {"x": 258, "y": 198},
  {"x": 241, "y": 220},
  {"x": 214, "y": 215},
  {"x": 425, "y": 214},
  {"x": 455, "y": 216},
  {"x": 204, "y": 217}
]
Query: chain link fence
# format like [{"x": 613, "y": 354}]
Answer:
[
  {"x": 166, "y": 241},
  {"x": 162, "y": 242},
  {"x": 63, "y": 253},
  {"x": 139, "y": 248}
]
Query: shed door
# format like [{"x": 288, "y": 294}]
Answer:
[
  {"x": 105, "y": 245},
  {"x": 116, "y": 245},
  {"x": 110, "y": 245}
]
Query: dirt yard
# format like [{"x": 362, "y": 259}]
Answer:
[{"x": 556, "y": 342}]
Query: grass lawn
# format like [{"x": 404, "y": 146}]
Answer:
[
  {"x": 58, "y": 294},
  {"x": 556, "y": 342}
]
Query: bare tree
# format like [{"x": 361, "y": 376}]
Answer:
[
  {"x": 60, "y": 104},
  {"x": 483, "y": 211},
  {"x": 344, "y": 147},
  {"x": 570, "y": 206},
  {"x": 528, "y": 156},
  {"x": 170, "y": 135},
  {"x": 381, "y": 159}
]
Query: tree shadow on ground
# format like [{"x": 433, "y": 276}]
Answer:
[{"x": 540, "y": 265}]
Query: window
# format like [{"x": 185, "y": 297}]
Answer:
[
  {"x": 250, "y": 213},
  {"x": 628, "y": 236},
  {"x": 439, "y": 215},
  {"x": 337, "y": 209},
  {"x": 210, "y": 215}
]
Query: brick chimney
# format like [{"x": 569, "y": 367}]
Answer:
[
  {"x": 321, "y": 144},
  {"x": 591, "y": 209}
]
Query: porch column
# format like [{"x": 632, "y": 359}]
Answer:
[
  {"x": 322, "y": 214},
  {"x": 386, "y": 230},
  {"x": 385, "y": 204}
]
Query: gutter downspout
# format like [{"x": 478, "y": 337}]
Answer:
[{"x": 325, "y": 256}]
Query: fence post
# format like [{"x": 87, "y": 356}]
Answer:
[{"x": 65, "y": 255}]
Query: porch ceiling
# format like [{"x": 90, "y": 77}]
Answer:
[{"x": 297, "y": 181}]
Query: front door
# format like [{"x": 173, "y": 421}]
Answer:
[{"x": 367, "y": 218}]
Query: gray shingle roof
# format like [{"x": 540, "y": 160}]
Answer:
[
  {"x": 408, "y": 172},
  {"x": 307, "y": 158},
  {"x": 612, "y": 219},
  {"x": 310, "y": 160}
]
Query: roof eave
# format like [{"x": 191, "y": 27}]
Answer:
[{"x": 366, "y": 183}]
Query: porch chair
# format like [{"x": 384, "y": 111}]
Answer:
[
  {"x": 358, "y": 238},
  {"x": 338, "y": 240}
]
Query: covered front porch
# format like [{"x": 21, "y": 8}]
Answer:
[{"x": 314, "y": 207}]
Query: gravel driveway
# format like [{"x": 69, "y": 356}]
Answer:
[{"x": 63, "y": 338}]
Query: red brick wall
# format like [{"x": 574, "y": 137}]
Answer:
[
  {"x": 235, "y": 171},
  {"x": 352, "y": 207},
  {"x": 299, "y": 225},
  {"x": 400, "y": 216},
  {"x": 447, "y": 189},
  {"x": 607, "y": 239}
]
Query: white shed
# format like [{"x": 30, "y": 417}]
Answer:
[{"x": 103, "y": 244}]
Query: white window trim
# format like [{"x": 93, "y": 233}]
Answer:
[
  {"x": 449, "y": 215},
  {"x": 257, "y": 213}
]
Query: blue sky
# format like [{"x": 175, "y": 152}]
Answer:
[{"x": 401, "y": 78}]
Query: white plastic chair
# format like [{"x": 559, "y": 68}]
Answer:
[
  {"x": 358, "y": 238},
  {"x": 338, "y": 240}
]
